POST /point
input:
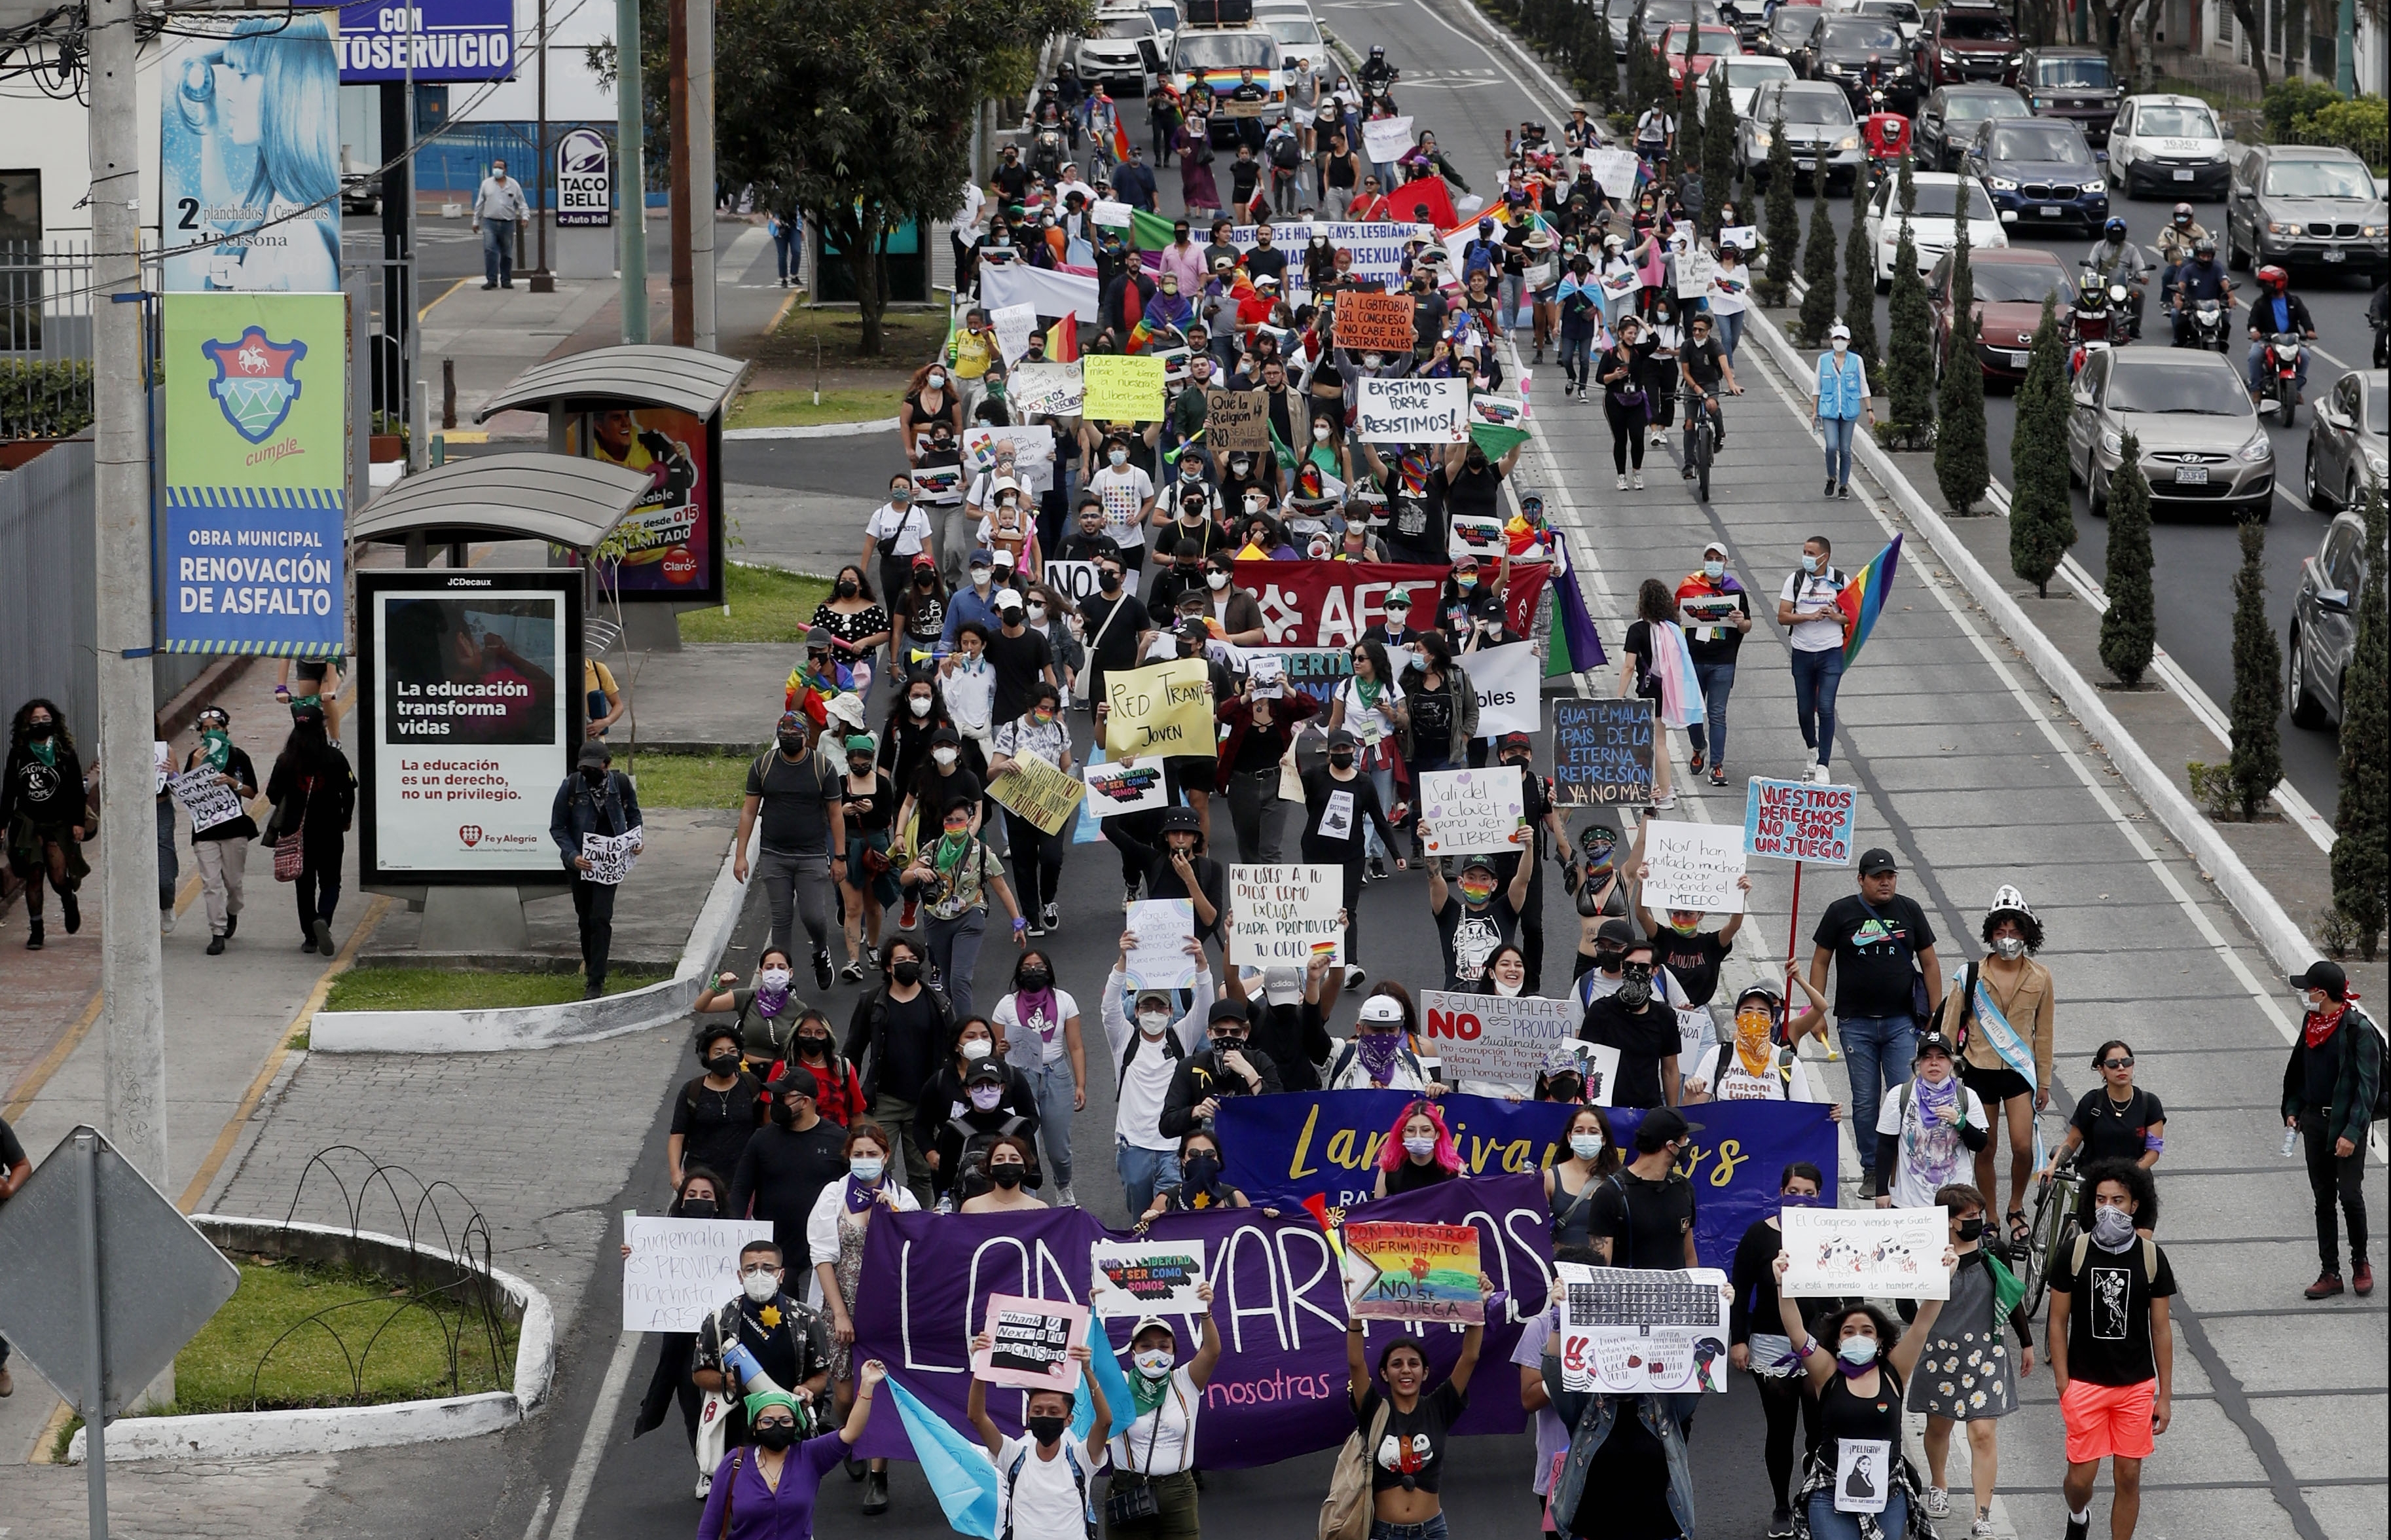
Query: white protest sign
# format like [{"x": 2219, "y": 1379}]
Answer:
[
  {"x": 1615, "y": 169},
  {"x": 1862, "y": 1468},
  {"x": 1265, "y": 675},
  {"x": 1742, "y": 237},
  {"x": 1489, "y": 1037},
  {"x": 680, "y": 1271},
  {"x": 1124, "y": 788},
  {"x": 610, "y": 856},
  {"x": 1621, "y": 285},
  {"x": 1694, "y": 866},
  {"x": 1013, "y": 324},
  {"x": 1033, "y": 453},
  {"x": 1145, "y": 1277},
  {"x": 1076, "y": 580},
  {"x": 163, "y": 753},
  {"x": 1601, "y": 1062},
  {"x": 1282, "y": 916},
  {"x": 1507, "y": 680},
  {"x": 1048, "y": 390},
  {"x": 1159, "y": 960},
  {"x": 1625, "y": 1330},
  {"x": 1475, "y": 536},
  {"x": 1412, "y": 411},
  {"x": 1378, "y": 249},
  {"x": 1385, "y": 140},
  {"x": 1886, "y": 1253},
  {"x": 1695, "y": 270},
  {"x": 1106, "y": 212},
  {"x": 1465, "y": 812},
  {"x": 210, "y": 801}
]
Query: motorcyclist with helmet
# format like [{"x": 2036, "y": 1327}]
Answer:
[
  {"x": 2201, "y": 277},
  {"x": 2174, "y": 244},
  {"x": 1378, "y": 77},
  {"x": 2114, "y": 259},
  {"x": 2275, "y": 310}
]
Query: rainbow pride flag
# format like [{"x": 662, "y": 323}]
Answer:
[{"x": 1862, "y": 598}]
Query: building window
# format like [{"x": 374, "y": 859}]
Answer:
[{"x": 20, "y": 205}]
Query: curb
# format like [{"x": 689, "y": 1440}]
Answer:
[
  {"x": 501, "y": 1031},
  {"x": 2283, "y": 941},
  {"x": 819, "y": 430},
  {"x": 328, "y": 1429}
]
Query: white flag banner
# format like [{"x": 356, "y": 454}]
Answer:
[
  {"x": 1013, "y": 324},
  {"x": 1045, "y": 291}
]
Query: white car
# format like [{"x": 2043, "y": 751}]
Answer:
[
  {"x": 1123, "y": 50},
  {"x": 2169, "y": 147},
  {"x": 1297, "y": 33},
  {"x": 1744, "y": 75},
  {"x": 1935, "y": 228}
]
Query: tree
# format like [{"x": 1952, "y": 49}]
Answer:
[
  {"x": 2129, "y": 631},
  {"x": 2042, "y": 519},
  {"x": 2257, "y": 762},
  {"x": 1859, "y": 279},
  {"x": 2361, "y": 856},
  {"x": 1597, "y": 61},
  {"x": 1962, "y": 467},
  {"x": 1818, "y": 272},
  {"x": 1783, "y": 234},
  {"x": 863, "y": 112},
  {"x": 1718, "y": 150},
  {"x": 1910, "y": 353}
]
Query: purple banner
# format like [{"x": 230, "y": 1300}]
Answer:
[{"x": 1280, "y": 1387}]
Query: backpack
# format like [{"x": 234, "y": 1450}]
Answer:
[
  {"x": 1171, "y": 1049},
  {"x": 2381, "y": 1110},
  {"x": 1285, "y": 154},
  {"x": 1344, "y": 1513},
  {"x": 2083, "y": 1249},
  {"x": 971, "y": 1164}
]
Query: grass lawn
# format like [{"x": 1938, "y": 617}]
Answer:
[
  {"x": 796, "y": 409},
  {"x": 907, "y": 339},
  {"x": 691, "y": 780},
  {"x": 459, "y": 989},
  {"x": 766, "y": 604}
]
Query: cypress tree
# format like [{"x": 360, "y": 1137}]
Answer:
[
  {"x": 2361, "y": 856},
  {"x": 1909, "y": 355},
  {"x": 1601, "y": 65},
  {"x": 1962, "y": 464},
  {"x": 2042, "y": 519},
  {"x": 1859, "y": 279},
  {"x": 2257, "y": 762},
  {"x": 2129, "y": 631},
  {"x": 1783, "y": 233},
  {"x": 1639, "y": 70},
  {"x": 1718, "y": 150},
  {"x": 1818, "y": 272}
]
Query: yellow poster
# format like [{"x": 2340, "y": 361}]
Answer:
[
  {"x": 1121, "y": 388},
  {"x": 1038, "y": 792},
  {"x": 1162, "y": 708}
]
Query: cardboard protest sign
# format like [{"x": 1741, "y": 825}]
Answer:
[
  {"x": 680, "y": 1271},
  {"x": 1396, "y": 1271},
  {"x": 1121, "y": 388},
  {"x": 203, "y": 793},
  {"x": 1031, "y": 1343},
  {"x": 1047, "y": 390},
  {"x": 1477, "y": 535},
  {"x": 1076, "y": 580},
  {"x": 1013, "y": 324},
  {"x": 1695, "y": 270},
  {"x": 1145, "y": 1277},
  {"x": 1385, "y": 140},
  {"x": 1465, "y": 812},
  {"x": 1796, "y": 821},
  {"x": 1131, "y": 788},
  {"x": 1163, "y": 709},
  {"x": 1630, "y": 1330},
  {"x": 1621, "y": 286},
  {"x": 1615, "y": 171},
  {"x": 1694, "y": 866},
  {"x": 1159, "y": 960},
  {"x": 1600, "y": 1064},
  {"x": 1370, "y": 322},
  {"x": 1174, "y": 363},
  {"x": 1280, "y": 915},
  {"x": 610, "y": 856},
  {"x": 1104, "y": 211},
  {"x": 1885, "y": 1253},
  {"x": 1489, "y": 1037},
  {"x": 1412, "y": 411},
  {"x": 1602, "y": 751},
  {"x": 1038, "y": 792},
  {"x": 939, "y": 485},
  {"x": 1237, "y": 420},
  {"x": 1508, "y": 688},
  {"x": 1745, "y": 237}
]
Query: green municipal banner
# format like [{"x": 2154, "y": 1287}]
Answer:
[{"x": 256, "y": 473}]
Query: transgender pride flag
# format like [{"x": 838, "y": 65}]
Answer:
[{"x": 1862, "y": 598}]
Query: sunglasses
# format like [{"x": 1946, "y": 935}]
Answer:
[{"x": 2126, "y": 1063}]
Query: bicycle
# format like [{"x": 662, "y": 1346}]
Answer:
[
  {"x": 2051, "y": 1231},
  {"x": 1701, "y": 436}
]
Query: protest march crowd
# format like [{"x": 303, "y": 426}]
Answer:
[{"x": 1265, "y": 530}]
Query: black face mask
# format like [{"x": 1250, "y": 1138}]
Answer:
[
  {"x": 1047, "y": 1430},
  {"x": 858, "y": 767},
  {"x": 1970, "y": 1229},
  {"x": 1607, "y": 959},
  {"x": 847, "y": 588},
  {"x": 1109, "y": 581},
  {"x": 782, "y": 1113},
  {"x": 813, "y": 1047},
  {"x": 723, "y": 1064},
  {"x": 700, "y": 1208},
  {"x": 1201, "y": 1170},
  {"x": 40, "y": 729},
  {"x": 908, "y": 972},
  {"x": 1007, "y": 1175},
  {"x": 791, "y": 743},
  {"x": 925, "y": 583},
  {"x": 776, "y": 1436},
  {"x": 1034, "y": 978},
  {"x": 594, "y": 774},
  {"x": 1342, "y": 761}
]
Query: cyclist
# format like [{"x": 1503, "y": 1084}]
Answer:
[
  {"x": 2114, "y": 259},
  {"x": 2175, "y": 242},
  {"x": 2200, "y": 277},
  {"x": 2277, "y": 309},
  {"x": 1702, "y": 364}
]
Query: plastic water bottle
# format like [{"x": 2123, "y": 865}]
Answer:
[{"x": 2290, "y": 1143}]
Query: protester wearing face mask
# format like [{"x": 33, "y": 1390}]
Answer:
[
  {"x": 1486, "y": 914},
  {"x": 1922, "y": 1129},
  {"x": 763, "y": 1343},
  {"x": 1757, "y": 1347},
  {"x": 698, "y": 1193},
  {"x": 954, "y": 1110},
  {"x": 1808, "y": 608},
  {"x": 1157, "y": 1452},
  {"x": 1418, "y": 1152},
  {"x": 2001, "y": 1013},
  {"x": 1970, "y": 1378},
  {"x": 838, "y": 1090},
  {"x": 2112, "y": 1344},
  {"x": 868, "y": 796},
  {"x": 1039, "y": 1026},
  {"x": 915, "y": 713},
  {"x": 953, "y": 876},
  {"x": 220, "y": 850},
  {"x": 1044, "y": 1477},
  {"x": 1838, "y": 400},
  {"x": 1258, "y": 729},
  {"x": 1748, "y": 1066},
  {"x": 767, "y": 1011},
  {"x": 714, "y": 1112},
  {"x": 1000, "y": 1173},
  {"x": 2329, "y": 1086},
  {"x": 896, "y": 1034},
  {"x": 786, "y": 1163},
  {"x": 1643, "y": 1215},
  {"x": 1286, "y": 1009},
  {"x": 1148, "y": 1036},
  {"x": 1857, "y": 1362},
  {"x": 1340, "y": 803},
  {"x": 796, "y": 798},
  {"x": 1635, "y": 1017},
  {"x": 920, "y": 607},
  {"x": 1441, "y": 703},
  {"x": 1127, "y": 494},
  {"x": 1716, "y": 612},
  {"x": 1179, "y": 867},
  {"x": 593, "y": 800},
  {"x": 974, "y": 600},
  {"x": 1572, "y": 1180},
  {"x": 772, "y": 1488},
  {"x": 835, "y": 1235},
  {"x": 1230, "y": 1065},
  {"x": 930, "y": 401},
  {"x": 946, "y": 776}
]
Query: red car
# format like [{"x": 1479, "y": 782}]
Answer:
[
  {"x": 2009, "y": 283},
  {"x": 1713, "y": 43},
  {"x": 1967, "y": 40}
]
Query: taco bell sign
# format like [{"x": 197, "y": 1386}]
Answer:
[{"x": 585, "y": 179}]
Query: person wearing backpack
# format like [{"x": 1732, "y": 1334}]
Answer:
[
  {"x": 765, "y": 1491},
  {"x": 1887, "y": 986},
  {"x": 1042, "y": 1477},
  {"x": 1964, "y": 1370},
  {"x": 2112, "y": 1343},
  {"x": 2000, "y": 1014},
  {"x": 1808, "y": 608},
  {"x": 2332, "y": 1091},
  {"x": 1926, "y": 1131},
  {"x": 950, "y": 1117},
  {"x": 1402, "y": 1431},
  {"x": 1148, "y": 1036},
  {"x": 900, "y": 1033}
]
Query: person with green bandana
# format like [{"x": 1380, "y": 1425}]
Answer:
[
  {"x": 222, "y": 849},
  {"x": 765, "y": 1491},
  {"x": 42, "y": 803}
]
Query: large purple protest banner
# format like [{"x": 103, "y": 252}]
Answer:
[{"x": 1278, "y": 1299}]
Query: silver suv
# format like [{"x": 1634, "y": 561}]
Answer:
[
  {"x": 2324, "y": 622},
  {"x": 2202, "y": 441}
]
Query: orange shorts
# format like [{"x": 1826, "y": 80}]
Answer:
[{"x": 2108, "y": 1419}]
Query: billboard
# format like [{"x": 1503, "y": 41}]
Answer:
[
  {"x": 454, "y": 40},
  {"x": 471, "y": 722},
  {"x": 249, "y": 154},
  {"x": 256, "y": 473},
  {"x": 668, "y": 548}
]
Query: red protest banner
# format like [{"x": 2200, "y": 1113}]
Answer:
[
  {"x": 1426, "y": 201},
  {"x": 1331, "y": 603}
]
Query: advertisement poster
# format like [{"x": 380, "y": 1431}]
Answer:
[
  {"x": 585, "y": 180},
  {"x": 249, "y": 154},
  {"x": 1626, "y": 1329},
  {"x": 453, "y": 40},
  {"x": 469, "y": 732},
  {"x": 257, "y": 474},
  {"x": 1145, "y": 1277},
  {"x": 1408, "y": 1272},
  {"x": 668, "y": 547}
]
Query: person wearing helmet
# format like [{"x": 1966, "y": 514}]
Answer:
[
  {"x": 2175, "y": 244},
  {"x": 2200, "y": 276},
  {"x": 1751, "y": 1068},
  {"x": 2000, "y": 1012},
  {"x": 2277, "y": 309},
  {"x": 2114, "y": 259}
]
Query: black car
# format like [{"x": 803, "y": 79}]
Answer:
[
  {"x": 2309, "y": 205},
  {"x": 1654, "y": 17},
  {"x": 1948, "y": 120},
  {"x": 1856, "y": 52},
  {"x": 2075, "y": 84},
  {"x": 1788, "y": 33}
]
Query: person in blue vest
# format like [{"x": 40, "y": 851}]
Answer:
[{"x": 1838, "y": 401}]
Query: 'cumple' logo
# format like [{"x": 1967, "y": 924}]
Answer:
[
  {"x": 471, "y": 833},
  {"x": 253, "y": 385}
]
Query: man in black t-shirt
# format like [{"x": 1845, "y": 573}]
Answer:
[
  {"x": 1477, "y": 914},
  {"x": 1879, "y": 942},
  {"x": 2112, "y": 1346},
  {"x": 785, "y": 1167},
  {"x": 1113, "y": 622},
  {"x": 1020, "y": 657},
  {"x": 804, "y": 847},
  {"x": 1636, "y": 1020},
  {"x": 1703, "y": 364},
  {"x": 1643, "y": 1215}
]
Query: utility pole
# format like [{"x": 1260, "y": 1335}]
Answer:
[
  {"x": 701, "y": 171},
  {"x": 677, "y": 115},
  {"x": 132, "y": 1000},
  {"x": 631, "y": 172},
  {"x": 542, "y": 280}
]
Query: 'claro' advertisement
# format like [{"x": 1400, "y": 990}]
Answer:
[{"x": 472, "y": 724}]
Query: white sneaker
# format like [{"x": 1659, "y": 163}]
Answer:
[
  {"x": 1982, "y": 1529},
  {"x": 1821, "y": 774},
  {"x": 1622, "y": 483},
  {"x": 1664, "y": 803},
  {"x": 1639, "y": 481},
  {"x": 1938, "y": 1502},
  {"x": 1064, "y": 1198},
  {"x": 165, "y": 922}
]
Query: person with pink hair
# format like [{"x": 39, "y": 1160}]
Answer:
[{"x": 1418, "y": 1153}]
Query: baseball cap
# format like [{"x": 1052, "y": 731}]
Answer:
[
  {"x": 1225, "y": 1009},
  {"x": 1147, "y": 1322},
  {"x": 1660, "y": 1126},
  {"x": 819, "y": 636},
  {"x": 1341, "y": 738},
  {"x": 1717, "y": 548},
  {"x": 797, "y": 1080},
  {"x": 1876, "y": 858},
  {"x": 2323, "y": 975},
  {"x": 985, "y": 1070},
  {"x": 1932, "y": 1043},
  {"x": 946, "y": 735},
  {"x": 592, "y": 753},
  {"x": 1616, "y": 933},
  {"x": 983, "y": 557},
  {"x": 1382, "y": 1008},
  {"x": 1838, "y": 329},
  {"x": 1006, "y": 599}
]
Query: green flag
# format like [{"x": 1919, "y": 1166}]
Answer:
[
  {"x": 1557, "y": 663},
  {"x": 1149, "y": 232},
  {"x": 1495, "y": 442}
]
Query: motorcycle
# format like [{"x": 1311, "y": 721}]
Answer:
[
  {"x": 1046, "y": 153},
  {"x": 2209, "y": 324},
  {"x": 2285, "y": 352},
  {"x": 1885, "y": 135},
  {"x": 2121, "y": 289},
  {"x": 2094, "y": 323}
]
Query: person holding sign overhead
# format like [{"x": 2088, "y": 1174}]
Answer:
[
  {"x": 1148, "y": 1036},
  {"x": 1152, "y": 1495},
  {"x": 1340, "y": 802},
  {"x": 1042, "y": 1477},
  {"x": 1369, "y": 706},
  {"x": 1404, "y": 1427},
  {"x": 1486, "y": 916}
]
